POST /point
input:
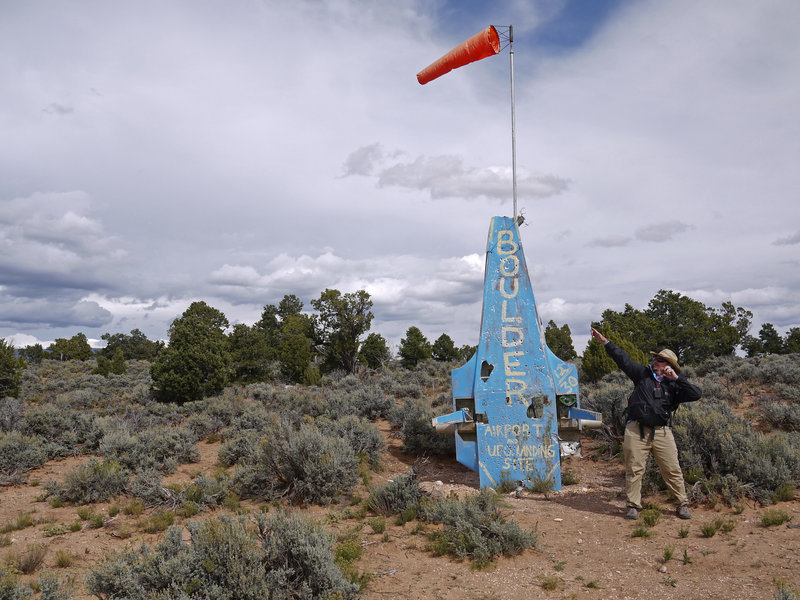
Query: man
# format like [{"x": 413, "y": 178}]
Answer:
[{"x": 658, "y": 389}]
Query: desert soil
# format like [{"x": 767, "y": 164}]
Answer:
[{"x": 586, "y": 548}]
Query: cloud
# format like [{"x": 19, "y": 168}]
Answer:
[
  {"x": 50, "y": 241},
  {"x": 661, "y": 232},
  {"x": 446, "y": 176},
  {"x": 762, "y": 297},
  {"x": 563, "y": 311},
  {"x": 55, "y": 108},
  {"x": 208, "y": 166},
  {"x": 611, "y": 241},
  {"x": 778, "y": 305},
  {"x": 21, "y": 340},
  {"x": 362, "y": 161},
  {"x": 789, "y": 240},
  {"x": 397, "y": 279},
  {"x": 34, "y": 312},
  {"x": 283, "y": 274}
]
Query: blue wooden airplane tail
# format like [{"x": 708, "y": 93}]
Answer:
[{"x": 516, "y": 404}]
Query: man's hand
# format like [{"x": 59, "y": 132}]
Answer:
[
  {"x": 598, "y": 336},
  {"x": 669, "y": 373}
]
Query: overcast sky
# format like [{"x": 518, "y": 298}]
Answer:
[{"x": 158, "y": 152}]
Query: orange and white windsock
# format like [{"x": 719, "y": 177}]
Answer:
[{"x": 479, "y": 46}]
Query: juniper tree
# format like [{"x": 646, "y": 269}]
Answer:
[
  {"x": 444, "y": 349},
  {"x": 341, "y": 320},
  {"x": 414, "y": 348},
  {"x": 10, "y": 370},
  {"x": 195, "y": 364}
]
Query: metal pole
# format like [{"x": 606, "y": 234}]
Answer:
[{"x": 513, "y": 121}]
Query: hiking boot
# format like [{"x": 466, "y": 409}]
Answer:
[
  {"x": 683, "y": 512},
  {"x": 632, "y": 514}
]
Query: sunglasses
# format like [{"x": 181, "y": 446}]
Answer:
[{"x": 659, "y": 359}]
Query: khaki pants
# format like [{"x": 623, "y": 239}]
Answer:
[{"x": 665, "y": 452}]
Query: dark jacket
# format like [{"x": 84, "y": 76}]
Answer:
[{"x": 652, "y": 403}]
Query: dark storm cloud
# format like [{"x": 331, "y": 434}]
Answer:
[{"x": 20, "y": 312}]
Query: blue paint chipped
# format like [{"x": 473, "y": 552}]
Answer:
[{"x": 512, "y": 386}]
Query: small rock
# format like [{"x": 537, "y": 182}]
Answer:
[
  {"x": 662, "y": 569},
  {"x": 438, "y": 482},
  {"x": 558, "y": 520}
]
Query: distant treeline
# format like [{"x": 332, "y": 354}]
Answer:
[{"x": 204, "y": 353}]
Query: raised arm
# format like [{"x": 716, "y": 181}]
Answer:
[{"x": 628, "y": 366}]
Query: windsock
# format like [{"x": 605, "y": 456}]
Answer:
[{"x": 479, "y": 46}]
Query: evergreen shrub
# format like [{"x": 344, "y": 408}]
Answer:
[
  {"x": 340, "y": 379},
  {"x": 372, "y": 403},
  {"x": 18, "y": 454},
  {"x": 139, "y": 417},
  {"x": 62, "y": 427},
  {"x": 208, "y": 491},
  {"x": 395, "y": 496},
  {"x": 428, "y": 371},
  {"x": 717, "y": 366},
  {"x": 715, "y": 386},
  {"x": 788, "y": 392},
  {"x": 298, "y": 400},
  {"x": 299, "y": 556},
  {"x": 363, "y": 437},
  {"x": 413, "y": 419},
  {"x": 160, "y": 448},
  {"x": 779, "y": 368},
  {"x": 258, "y": 391},
  {"x": 335, "y": 404},
  {"x": 81, "y": 398},
  {"x": 783, "y": 416},
  {"x": 240, "y": 447},
  {"x": 147, "y": 486},
  {"x": 218, "y": 411},
  {"x": 254, "y": 417},
  {"x": 399, "y": 387},
  {"x": 203, "y": 491},
  {"x": 93, "y": 481},
  {"x": 474, "y": 528},
  {"x": 609, "y": 396},
  {"x": 711, "y": 437},
  {"x": 10, "y": 588},
  {"x": 53, "y": 588},
  {"x": 741, "y": 371},
  {"x": 11, "y": 413},
  {"x": 202, "y": 425},
  {"x": 280, "y": 558},
  {"x": 305, "y": 465}
]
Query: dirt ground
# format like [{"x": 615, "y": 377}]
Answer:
[{"x": 585, "y": 550}]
